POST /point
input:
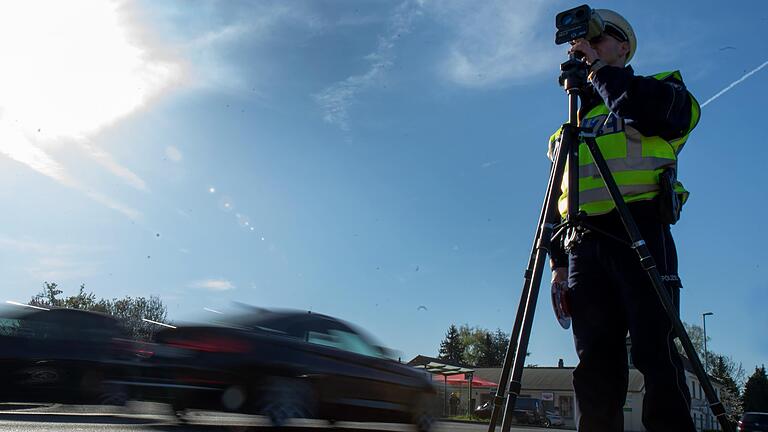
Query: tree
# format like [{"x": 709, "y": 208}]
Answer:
[
  {"x": 451, "y": 348},
  {"x": 48, "y": 296},
  {"x": 130, "y": 311},
  {"x": 500, "y": 345},
  {"x": 133, "y": 311},
  {"x": 725, "y": 369},
  {"x": 473, "y": 340},
  {"x": 476, "y": 346},
  {"x": 696, "y": 334},
  {"x": 487, "y": 354},
  {"x": 756, "y": 391}
]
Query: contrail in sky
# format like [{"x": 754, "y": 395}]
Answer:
[{"x": 733, "y": 84}]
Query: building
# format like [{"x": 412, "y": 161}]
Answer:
[{"x": 553, "y": 385}]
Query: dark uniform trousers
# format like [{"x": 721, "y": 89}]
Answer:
[{"x": 610, "y": 295}]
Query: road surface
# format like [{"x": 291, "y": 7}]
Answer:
[{"x": 144, "y": 417}]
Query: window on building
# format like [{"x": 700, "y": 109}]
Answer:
[
  {"x": 549, "y": 405},
  {"x": 565, "y": 403}
]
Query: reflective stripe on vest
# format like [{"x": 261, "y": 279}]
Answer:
[{"x": 634, "y": 160}]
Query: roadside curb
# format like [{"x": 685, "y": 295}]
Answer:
[
  {"x": 95, "y": 418},
  {"x": 447, "y": 420}
]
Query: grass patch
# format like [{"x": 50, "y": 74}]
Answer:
[{"x": 468, "y": 418}]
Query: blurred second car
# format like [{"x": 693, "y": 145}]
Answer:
[
  {"x": 62, "y": 355},
  {"x": 527, "y": 411},
  {"x": 753, "y": 422}
]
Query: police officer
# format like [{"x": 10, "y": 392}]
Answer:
[{"x": 641, "y": 124}]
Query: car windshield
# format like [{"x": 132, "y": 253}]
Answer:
[
  {"x": 312, "y": 328},
  {"x": 527, "y": 404}
]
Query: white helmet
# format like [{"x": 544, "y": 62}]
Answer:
[{"x": 618, "y": 27}]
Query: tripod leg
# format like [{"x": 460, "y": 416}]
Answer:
[
  {"x": 532, "y": 279},
  {"x": 569, "y": 142},
  {"x": 649, "y": 265},
  {"x": 509, "y": 356}
]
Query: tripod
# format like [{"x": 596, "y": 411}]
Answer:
[{"x": 573, "y": 78}]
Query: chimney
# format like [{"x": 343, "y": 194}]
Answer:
[{"x": 560, "y": 363}]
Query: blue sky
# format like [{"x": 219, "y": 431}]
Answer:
[{"x": 356, "y": 158}]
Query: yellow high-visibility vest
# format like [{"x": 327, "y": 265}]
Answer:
[{"x": 635, "y": 160}]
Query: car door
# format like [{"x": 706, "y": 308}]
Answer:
[{"x": 357, "y": 376}]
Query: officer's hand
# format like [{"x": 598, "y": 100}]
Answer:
[
  {"x": 560, "y": 300},
  {"x": 583, "y": 46},
  {"x": 559, "y": 274}
]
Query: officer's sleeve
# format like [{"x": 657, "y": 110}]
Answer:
[
  {"x": 653, "y": 107},
  {"x": 558, "y": 257}
]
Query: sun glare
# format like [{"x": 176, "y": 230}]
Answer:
[{"x": 70, "y": 68}]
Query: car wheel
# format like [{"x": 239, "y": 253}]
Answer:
[
  {"x": 547, "y": 423},
  {"x": 287, "y": 398},
  {"x": 424, "y": 422},
  {"x": 113, "y": 395},
  {"x": 423, "y": 417},
  {"x": 234, "y": 398}
]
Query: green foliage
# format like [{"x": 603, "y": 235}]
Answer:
[
  {"x": 465, "y": 417},
  {"x": 728, "y": 373},
  {"x": 472, "y": 339},
  {"x": 131, "y": 311},
  {"x": 756, "y": 391},
  {"x": 48, "y": 296},
  {"x": 723, "y": 368},
  {"x": 696, "y": 334},
  {"x": 451, "y": 348},
  {"x": 474, "y": 346}
]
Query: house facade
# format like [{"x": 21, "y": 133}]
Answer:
[{"x": 553, "y": 385}]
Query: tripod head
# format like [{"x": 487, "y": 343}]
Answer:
[{"x": 573, "y": 74}]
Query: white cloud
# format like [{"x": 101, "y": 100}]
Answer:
[
  {"x": 69, "y": 73},
  {"x": 209, "y": 50},
  {"x": 336, "y": 99},
  {"x": 55, "y": 261},
  {"x": 107, "y": 161},
  {"x": 14, "y": 145},
  {"x": 60, "y": 269},
  {"x": 496, "y": 42},
  {"x": 173, "y": 153},
  {"x": 213, "y": 285},
  {"x": 32, "y": 246}
]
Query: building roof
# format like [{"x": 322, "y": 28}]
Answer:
[
  {"x": 461, "y": 380},
  {"x": 422, "y": 360}
]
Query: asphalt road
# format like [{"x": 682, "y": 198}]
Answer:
[{"x": 157, "y": 418}]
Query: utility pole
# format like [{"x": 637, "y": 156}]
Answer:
[{"x": 706, "y": 356}]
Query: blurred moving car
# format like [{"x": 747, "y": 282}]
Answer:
[
  {"x": 483, "y": 410},
  {"x": 753, "y": 422},
  {"x": 285, "y": 364},
  {"x": 527, "y": 411},
  {"x": 61, "y": 355},
  {"x": 554, "y": 419}
]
